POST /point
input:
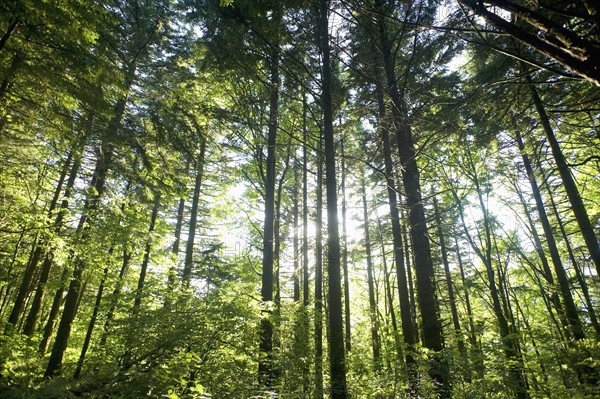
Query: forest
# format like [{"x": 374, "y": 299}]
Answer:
[{"x": 300, "y": 199}]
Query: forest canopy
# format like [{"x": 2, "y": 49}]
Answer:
[{"x": 299, "y": 199}]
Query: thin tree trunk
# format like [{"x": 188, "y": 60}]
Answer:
[
  {"x": 40, "y": 292},
  {"x": 406, "y": 314},
  {"x": 52, "y": 315},
  {"x": 375, "y": 342},
  {"x": 305, "y": 274},
  {"x": 26, "y": 282},
  {"x": 388, "y": 292},
  {"x": 141, "y": 280},
  {"x": 509, "y": 342},
  {"x": 580, "y": 277},
  {"x": 563, "y": 280},
  {"x": 345, "y": 253},
  {"x": 337, "y": 364},
  {"x": 296, "y": 238},
  {"x": 318, "y": 394},
  {"x": 115, "y": 294},
  {"x": 449, "y": 286},
  {"x": 177, "y": 241},
  {"x": 266, "y": 372},
  {"x": 431, "y": 327},
  {"x": 189, "y": 248},
  {"x": 477, "y": 357},
  {"x": 581, "y": 215},
  {"x": 91, "y": 325},
  {"x": 75, "y": 286}
]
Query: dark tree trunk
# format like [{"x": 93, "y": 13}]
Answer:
[
  {"x": 406, "y": 315},
  {"x": 52, "y": 315},
  {"x": 189, "y": 248},
  {"x": 40, "y": 292},
  {"x": 449, "y": 286},
  {"x": 335, "y": 311},
  {"x": 509, "y": 341},
  {"x": 177, "y": 241},
  {"x": 91, "y": 325},
  {"x": 563, "y": 280},
  {"x": 318, "y": 394},
  {"x": 266, "y": 370},
  {"x": 581, "y": 215},
  {"x": 431, "y": 326},
  {"x": 375, "y": 342},
  {"x": 115, "y": 294},
  {"x": 580, "y": 278},
  {"x": 345, "y": 254},
  {"x": 141, "y": 280},
  {"x": 75, "y": 289},
  {"x": 11, "y": 28},
  {"x": 554, "y": 40}
]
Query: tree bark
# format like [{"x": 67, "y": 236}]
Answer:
[
  {"x": 345, "y": 254},
  {"x": 336, "y": 323},
  {"x": 318, "y": 394},
  {"x": 431, "y": 327},
  {"x": 91, "y": 325},
  {"x": 509, "y": 341},
  {"x": 581, "y": 215},
  {"x": 40, "y": 292},
  {"x": 71, "y": 301},
  {"x": 375, "y": 342},
  {"x": 141, "y": 280},
  {"x": 449, "y": 286},
  {"x": 563, "y": 280},
  {"x": 266, "y": 370},
  {"x": 189, "y": 248},
  {"x": 406, "y": 314}
]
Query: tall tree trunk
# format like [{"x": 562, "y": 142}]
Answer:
[
  {"x": 449, "y": 286},
  {"x": 388, "y": 293},
  {"x": 40, "y": 292},
  {"x": 345, "y": 253},
  {"x": 406, "y": 315},
  {"x": 580, "y": 278},
  {"x": 53, "y": 314},
  {"x": 296, "y": 238},
  {"x": 336, "y": 323},
  {"x": 265, "y": 366},
  {"x": 42, "y": 244},
  {"x": 581, "y": 215},
  {"x": 318, "y": 394},
  {"x": 141, "y": 280},
  {"x": 375, "y": 342},
  {"x": 116, "y": 294},
  {"x": 97, "y": 185},
  {"x": 509, "y": 341},
  {"x": 75, "y": 289},
  {"x": 477, "y": 356},
  {"x": 91, "y": 325},
  {"x": 189, "y": 248},
  {"x": 305, "y": 274},
  {"x": 177, "y": 233},
  {"x": 563, "y": 280},
  {"x": 431, "y": 327}
]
